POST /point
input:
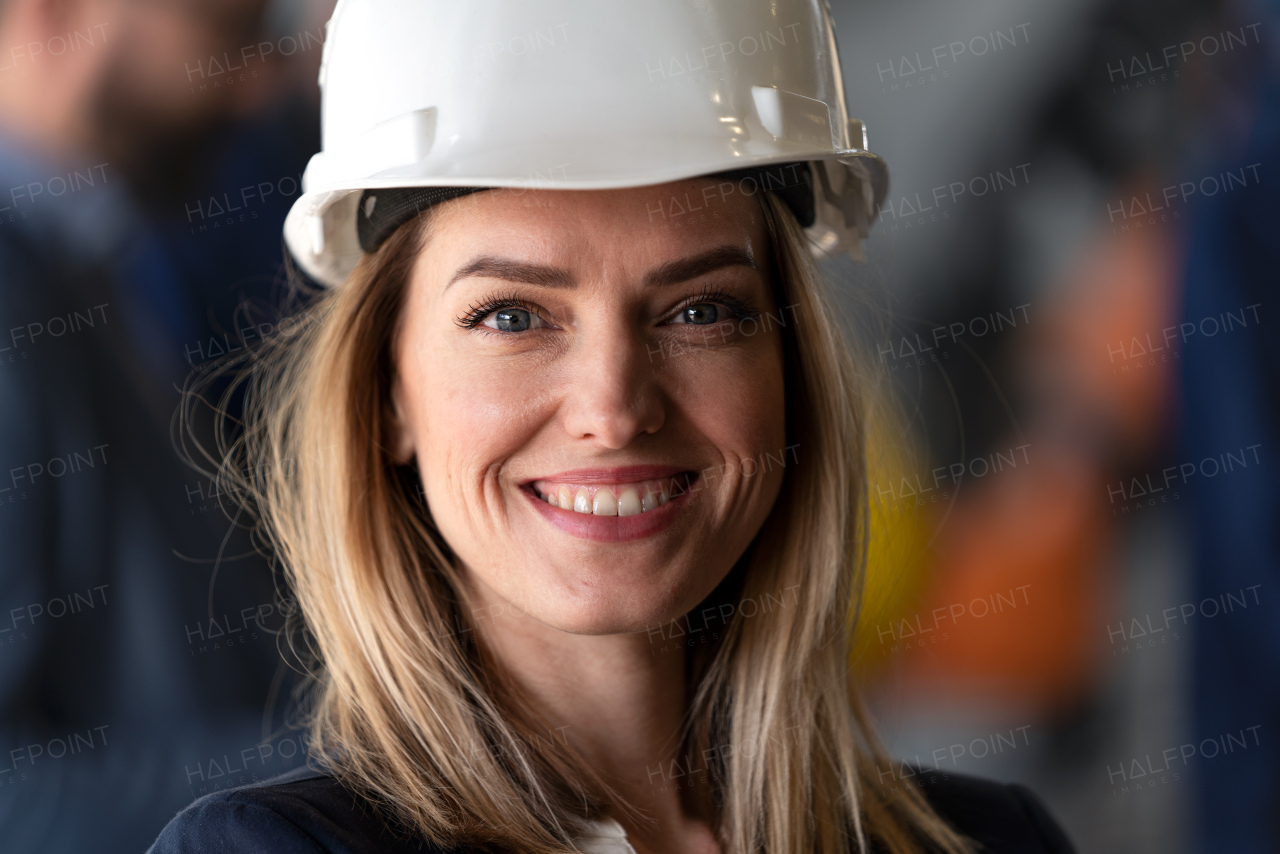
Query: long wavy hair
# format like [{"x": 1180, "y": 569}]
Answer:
[{"x": 406, "y": 705}]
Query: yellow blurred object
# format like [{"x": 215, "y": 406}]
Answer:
[{"x": 897, "y": 568}]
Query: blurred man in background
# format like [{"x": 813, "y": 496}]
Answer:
[{"x": 147, "y": 152}]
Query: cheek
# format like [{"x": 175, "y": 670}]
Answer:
[
  {"x": 735, "y": 396},
  {"x": 469, "y": 417}
]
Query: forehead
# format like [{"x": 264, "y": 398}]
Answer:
[{"x": 637, "y": 225}]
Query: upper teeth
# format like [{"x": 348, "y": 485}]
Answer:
[{"x": 621, "y": 499}]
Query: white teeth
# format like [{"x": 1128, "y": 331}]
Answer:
[
  {"x": 629, "y": 502},
  {"x": 615, "y": 500},
  {"x": 606, "y": 504}
]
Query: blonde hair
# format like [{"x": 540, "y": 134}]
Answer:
[{"x": 404, "y": 709}]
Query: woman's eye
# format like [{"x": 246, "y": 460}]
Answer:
[
  {"x": 512, "y": 320},
  {"x": 701, "y": 314}
]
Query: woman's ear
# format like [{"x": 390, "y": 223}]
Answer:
[{"x": 400, "y": 438}]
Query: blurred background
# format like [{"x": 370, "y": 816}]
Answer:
[{"x": 1066, "y": 311}]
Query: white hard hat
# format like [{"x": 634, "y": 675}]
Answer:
[{"x": 574, "y": 94}]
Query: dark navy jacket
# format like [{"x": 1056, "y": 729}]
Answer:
[{"x": 307, "y": 812}]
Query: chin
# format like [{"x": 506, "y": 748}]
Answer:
[{"x": 639, "y": 606}]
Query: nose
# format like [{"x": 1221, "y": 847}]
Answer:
[{"x": 612, "y": 394}]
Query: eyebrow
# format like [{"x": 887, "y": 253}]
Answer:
[
  {"x": 675, "y": 272},
  {"x": 491, "y": 267},
  {"x": 671, "y": 273}
]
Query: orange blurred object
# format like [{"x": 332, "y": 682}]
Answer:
[{"x": 1017, "y": 576}]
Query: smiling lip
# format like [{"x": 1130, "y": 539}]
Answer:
[
  {"x": 617, "y": 474},
  {"x": 615, "y": 529}
]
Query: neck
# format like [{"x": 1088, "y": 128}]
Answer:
[{"x": 617, "y": 699}]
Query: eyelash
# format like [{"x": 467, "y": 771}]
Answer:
[
  {"x": 473, "y": 317},
  {"x": 474, "y": 314}
]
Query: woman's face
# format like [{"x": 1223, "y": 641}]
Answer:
[{"x": 605, "y": 351}]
